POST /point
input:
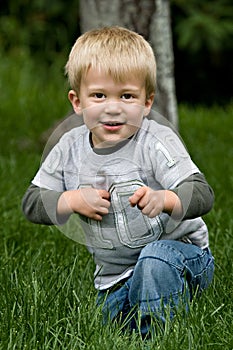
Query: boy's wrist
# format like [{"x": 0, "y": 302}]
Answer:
[
  {"x": 64, "y": 205},
  {"x": 172, "y": 204}
]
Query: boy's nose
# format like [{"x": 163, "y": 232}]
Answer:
[{"x": 113, "y": 108}]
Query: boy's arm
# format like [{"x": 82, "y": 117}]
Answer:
[
  {"x": 196, "y": 196},
  {"x": 33, "y": 205},
  {"x": 192, "y": 198},
  {"x": 50, "y": 207}
]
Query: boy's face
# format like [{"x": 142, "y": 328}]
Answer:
[{"x": 113, "y": 111}]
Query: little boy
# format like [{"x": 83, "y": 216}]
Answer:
[{"x": 130, "y": 180}]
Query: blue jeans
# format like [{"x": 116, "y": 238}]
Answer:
[{"x": 166, "y": 276}]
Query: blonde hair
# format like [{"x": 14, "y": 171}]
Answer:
[{"x": 115, "y": 50}]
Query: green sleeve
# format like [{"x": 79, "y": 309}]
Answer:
[
  {"x": 40, "y": 205},
  {"x": 196, "y": 196}
]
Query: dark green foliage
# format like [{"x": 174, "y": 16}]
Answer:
[
  {"x": 42, "y": 27},
  {"x": 203, "y": 24},
  {"x": 203, "y": 49}
]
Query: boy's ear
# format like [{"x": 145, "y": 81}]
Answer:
[
  {"x": 75, "y": 101},
  {"x": 148, "y": 105}
]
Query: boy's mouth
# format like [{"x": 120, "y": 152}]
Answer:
[
  {"x": 113, "y": 126},
  {"x": 112, "y": 123}
]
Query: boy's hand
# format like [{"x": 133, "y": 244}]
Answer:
[
  {"x": 87, "y": 201},
  {"x": 152, "y": 203}
]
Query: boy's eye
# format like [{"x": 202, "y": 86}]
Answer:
[
  {"x": 99, "y": 95},
  {"x": 127, "y": 96}
]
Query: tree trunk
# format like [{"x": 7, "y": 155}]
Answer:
[
  {"x": 161, "y": 41},
  {"x": 150, "y": 18}
]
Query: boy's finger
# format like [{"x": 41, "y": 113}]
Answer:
[
  {"x": 104, "y": 194},
  {"x": 135, "y": 198},
  {"x": 97, "y": 217}
]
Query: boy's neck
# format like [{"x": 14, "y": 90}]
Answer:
[{"x": 109, "y": 149}]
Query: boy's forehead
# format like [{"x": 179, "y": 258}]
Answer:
[{"x": 93, "y": 73}]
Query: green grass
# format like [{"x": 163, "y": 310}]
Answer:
[{"x": 47, "y": 298}]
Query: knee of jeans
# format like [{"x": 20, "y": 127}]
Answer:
[
  {"x": 157, "y": 276},
  {"x": 164, "y": 251}
]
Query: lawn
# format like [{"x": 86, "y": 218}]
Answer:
[{"x": 47, "y": 298}]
